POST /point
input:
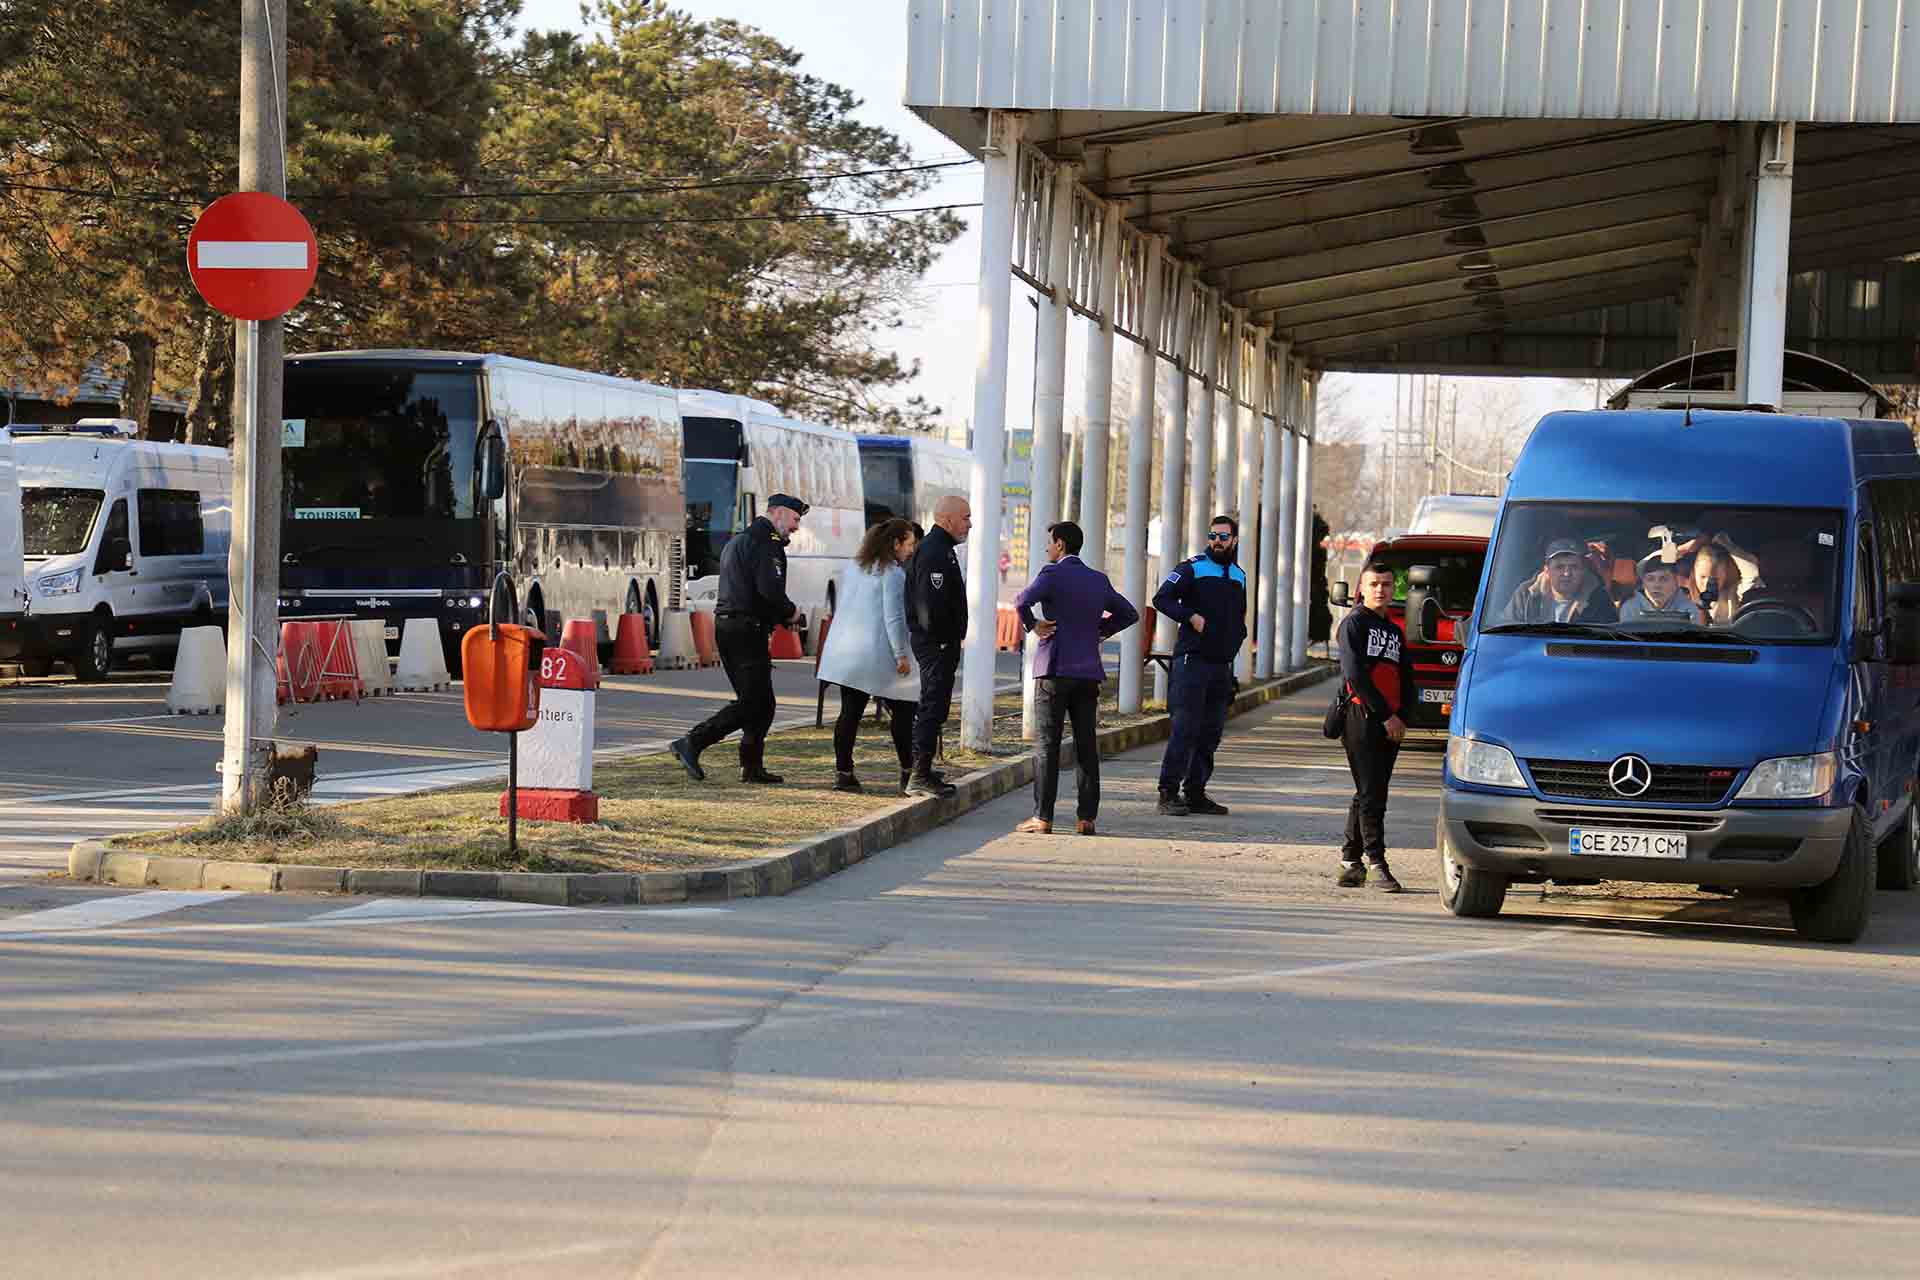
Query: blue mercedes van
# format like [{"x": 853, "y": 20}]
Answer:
[{"x": 1695, "y": 659}]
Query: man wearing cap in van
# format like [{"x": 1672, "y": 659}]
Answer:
[
  {"x": 1566, "y": 590},
  {"x": 752, "y": 602}
]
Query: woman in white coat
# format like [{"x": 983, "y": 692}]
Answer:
[{"x": 866, "y": 652}]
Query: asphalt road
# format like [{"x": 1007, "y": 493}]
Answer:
[
  {"x": 88, "y": 760},
  {"x": 1173, "y": 1049}
]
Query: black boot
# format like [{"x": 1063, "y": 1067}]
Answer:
[
  {"x": 1200, "y": 802},
  {"x": 753, "y": 765},
  {"x": 843, "y": 780},
  {"x": 689, "y": 759},
  {"x": 1172, "y": 805},
  {"x": 923, "y": 783}
]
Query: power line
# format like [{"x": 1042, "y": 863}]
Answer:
[
  {"x": 675, "y": 222},
  {"x": 671, "y": 188}
]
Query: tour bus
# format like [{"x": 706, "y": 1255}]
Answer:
[
  {"x": 739, "y": 453},
  {"x": 124, "y": 542},
  {"x": 907, "y": 475},
  {"x": 1754, "y": 729},
  {"x": 413, "y": 477}
]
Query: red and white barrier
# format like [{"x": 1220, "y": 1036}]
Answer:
[{"x": 556, "y": 755}]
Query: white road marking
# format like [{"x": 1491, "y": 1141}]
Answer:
[
  {"x": 476, "y": 910},
  {"x": 1352, "y": 966},
  {"x": 428, "y": 1268},
  {"x": 373, "y": 1049},
  {"x": 97, "y": 912},
  {"x": 426, "y": 908}
]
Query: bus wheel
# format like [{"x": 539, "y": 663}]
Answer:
[
  {"x": 1837, "y": 910},
  {"x": 651, "y": 612},
  {"x": 1463, "y": 890},
  {"x": 537, "y": 613},
  {"x": 95, "y": 659},
  {"x": 633, "y": 598}
]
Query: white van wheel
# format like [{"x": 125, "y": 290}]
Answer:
[
  {"x": 95, "y": 659},
  {"x": 1899, "y": 853},
  {"x": 1465, "y": 891}
]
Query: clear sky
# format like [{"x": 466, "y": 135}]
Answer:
[{"x": 861, "y": 45}]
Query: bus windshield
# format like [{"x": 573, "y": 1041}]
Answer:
[
  {"x": 58, "y": 522},
  {"x": 379, "y": 442},
  {"x": 711, "y": 490}
]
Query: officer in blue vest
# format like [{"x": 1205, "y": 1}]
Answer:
[{"x": 1207, "y": 597}]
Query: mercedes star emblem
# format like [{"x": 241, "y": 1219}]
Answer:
[{"x": 1630, "y": 776}]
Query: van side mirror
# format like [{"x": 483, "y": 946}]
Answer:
[
  {"x": 1903, "y": 638},
  {"x": 1423, "y": 609},
  {"x": 493, "y": 463},
  {"x": 1340, "y": 595}
]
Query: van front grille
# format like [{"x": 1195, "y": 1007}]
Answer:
[
  {"x": 1672, "y": 783},
  {"x": 1628, "y": 818}
]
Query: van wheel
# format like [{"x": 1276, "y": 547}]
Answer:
[
  {"x": 1837, "y": 910},
  {"x": 1899, "y": 853},
  {"x": 95, "y": 660},
  {"x": 36, "y": 667},
  {"x": 1464, "y": 890}
]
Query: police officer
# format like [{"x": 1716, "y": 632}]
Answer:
[
  {"x": 752, "y": 601},
  {"x": 1207, "y": 598},
  {"x": 936, "y": 626}
]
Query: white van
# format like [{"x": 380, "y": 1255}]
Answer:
[
  {"x": 13, "y": 575},
  {"x": 124, "y": 543}
]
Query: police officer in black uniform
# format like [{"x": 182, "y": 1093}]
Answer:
[
  {"x": 1207, "y": 597},
  {"x": 752, "y": 602},
  {"x": 936, "y": 627}
]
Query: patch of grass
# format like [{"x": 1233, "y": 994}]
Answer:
[{"x": 652, "y": 816}]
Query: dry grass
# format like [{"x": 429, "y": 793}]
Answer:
[{"x": 652, "y": 816}]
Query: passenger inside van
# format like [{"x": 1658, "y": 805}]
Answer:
[
  {"x": 1722, "y": 576},
  {"x": 1659, "y": 594},
  {"x": 1567, "y": 590}
]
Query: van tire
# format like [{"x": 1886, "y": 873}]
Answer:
[
  {"x": 1464, "y": 890},
  {"x": 1899, "y": 853},
  {"x": 94, "y": 661},
  {"x": 1837, "y": 909}
]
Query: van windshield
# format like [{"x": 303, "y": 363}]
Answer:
[
  {"x": 58, "y": 522},
  {"x": 1685, "y": 572}
]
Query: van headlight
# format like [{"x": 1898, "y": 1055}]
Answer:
[
  {"x": 58, "y": 584},
  {"x": 1483, "y": 763},
  {"x": 1792, "y": 778}
]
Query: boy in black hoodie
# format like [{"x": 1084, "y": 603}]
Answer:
[{"x": 1379, "y": 675}]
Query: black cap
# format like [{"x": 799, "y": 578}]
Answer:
[{"x": 788, "y": 501}]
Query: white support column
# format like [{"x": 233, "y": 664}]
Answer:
[
  {"x": 1289, "y": 500},
  {"x": 1173, "y": 474},
  {"x": 1276, "y": 585},
  {"x": 1050, "y": 410},
  {"x": 1226, "y": 452},
  {"x": 1247, "y": 501},
  {"x": 1094, "y": 461},
  {"x": 1303, "y": 529},
  {"x": 1133, "y": 641},
  {"x": 1763, "y": 321},
  {"x": 1002, "y": 154},
  {"x": 1200, "y": 469}
]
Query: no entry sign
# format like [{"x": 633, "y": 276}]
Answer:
[{"x": 252, "y": 256}]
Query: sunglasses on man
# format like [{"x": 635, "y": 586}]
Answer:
[{"x": 1219, "y": 537}]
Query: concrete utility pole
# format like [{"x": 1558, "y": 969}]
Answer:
[{"x": 253, "y": 560}]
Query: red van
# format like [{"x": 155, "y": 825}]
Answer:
[{"x": 1456, "y": 560}]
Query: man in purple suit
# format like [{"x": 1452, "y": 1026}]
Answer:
[{"x": 1082, "y": 610}]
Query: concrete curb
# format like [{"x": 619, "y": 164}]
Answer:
[{"x": 771, "y": 876}]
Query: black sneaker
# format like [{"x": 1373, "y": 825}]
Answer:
[
  {"x": 760, "y": 776},
  {"x": 684, "y": 753},
  {"x": 1352, "y": 875},
  {"x": 1381, "y": 878},
  {"x": 929, "y": 786},
  {"x": 1201, "y": 802},
  {"x": 847, "y": 782},
  {"x": 906, "y": 776},
  {"x": 1172, "y": 805}
]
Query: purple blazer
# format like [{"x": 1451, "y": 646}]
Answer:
[{"x": 1088, "y": 610}]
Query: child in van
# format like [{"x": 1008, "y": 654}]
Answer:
[{"x": 1659, "y": 595}]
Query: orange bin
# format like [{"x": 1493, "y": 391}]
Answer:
[{"x": 502, "y": 675}]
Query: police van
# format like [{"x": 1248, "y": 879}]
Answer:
[{"x": 124, "y": 543}]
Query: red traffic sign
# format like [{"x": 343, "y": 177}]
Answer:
[{"x": 252, "y": 256}]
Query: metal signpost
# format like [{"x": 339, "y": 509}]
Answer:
[{"x": 252, "y": 257}]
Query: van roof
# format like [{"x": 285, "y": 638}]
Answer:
[{"x": 1655, "y": 455}]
